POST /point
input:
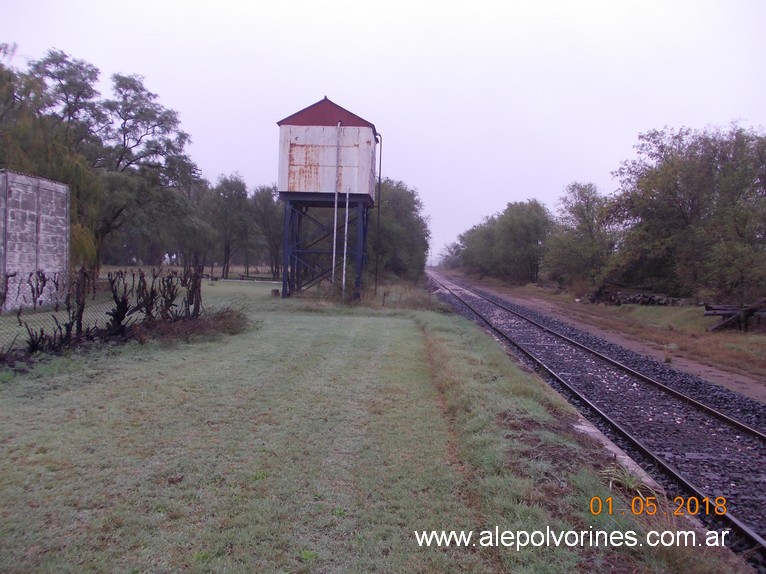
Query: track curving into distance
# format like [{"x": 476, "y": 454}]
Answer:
[{"x": 710, "y": 452}]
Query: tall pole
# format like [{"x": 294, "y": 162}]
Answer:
[
  {"x": 345, "y": 251},
  {"x": 380, "y": 204},
  {"x": 335, "y": 210}
]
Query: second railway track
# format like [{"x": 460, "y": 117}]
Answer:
[{"x": 712, "y": 453}]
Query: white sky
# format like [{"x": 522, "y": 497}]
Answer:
[{"x": 480, "y": 103}]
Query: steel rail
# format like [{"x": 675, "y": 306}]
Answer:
[{"x": 743, "y": 529}]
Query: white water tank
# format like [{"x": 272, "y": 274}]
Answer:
[{"x": 324, "y": 149}]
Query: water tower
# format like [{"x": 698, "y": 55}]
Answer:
[{"x": 327, "y": 183}]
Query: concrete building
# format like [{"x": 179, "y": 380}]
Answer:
[{"x": 34, "y": 240}]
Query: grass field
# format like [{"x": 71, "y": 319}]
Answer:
[{"x": 317, "y": 441}]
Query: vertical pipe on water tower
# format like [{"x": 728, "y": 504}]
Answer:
[
  {"x": 345, "y": 249},
  {"x": 379, "y": 203},
  {"x": 335, "y": 210}
]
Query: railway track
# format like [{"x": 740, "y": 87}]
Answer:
[{"x": 710, "y": 453}]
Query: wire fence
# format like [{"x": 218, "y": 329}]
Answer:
[{"x": 48, "y": 312}]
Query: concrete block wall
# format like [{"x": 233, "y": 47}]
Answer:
[{"x": 34, "y": 236}]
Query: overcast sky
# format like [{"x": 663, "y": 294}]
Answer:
[{"x": 479, "y": 103}]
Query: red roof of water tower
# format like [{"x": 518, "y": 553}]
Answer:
[{"x": 325, "y": 113}]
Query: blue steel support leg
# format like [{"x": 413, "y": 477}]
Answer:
[
  {"x": 297, "y": 238},
  {"x": 365, "y": 233},
  {"x": 361, "y": 228}
]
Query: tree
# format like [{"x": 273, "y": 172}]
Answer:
[
  {"x": 141, "y": 133},
  {"x": 402, "y": 241},
  {"x": 689, "y": 201},
  {"x": 478, "y": 253},
  {"x": 8, "y": 86},
  {"x": 268, "y": 218},
  {"x": 68, "y": 99},
  {"x": 509, "y": 245},
  {"x": 21, "y": 132},
  {"x": 231, "y": 219},
  {"x": 738, "y": 256},
  {"x": 144, "y": 170},
  {"x": 663, "y": 202},
  {"x": 451, "y": 255},
  {"x": 582, "y": 239},
  {"x": 522, "y": 231}
]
